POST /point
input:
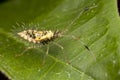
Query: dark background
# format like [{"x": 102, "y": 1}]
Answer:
[{"x": 119, "y": 6}]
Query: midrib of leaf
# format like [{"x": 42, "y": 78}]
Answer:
[{"x": 50, "y": 68}]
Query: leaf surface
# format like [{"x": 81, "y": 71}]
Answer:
[{"x": 95, "y": 24}]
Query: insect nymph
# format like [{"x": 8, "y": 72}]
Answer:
[
  {"x": 41, "y": 37},
  {"x": 45, "y": 36}
]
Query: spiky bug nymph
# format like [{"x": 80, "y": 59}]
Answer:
[
  {"x": 46, "y": 36},
  {"x": 42, "y": 37}
]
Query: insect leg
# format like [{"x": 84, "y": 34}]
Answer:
[
  {"x": 47, "y": 51},
  {"x": 24, "y": 51},
  {"x": 58, "y": 45},
  {"x": 77, "y": 38},
  {"x": 61, "y": 47}
]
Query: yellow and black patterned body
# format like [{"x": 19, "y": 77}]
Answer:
[{"x": 42, "y": 37}]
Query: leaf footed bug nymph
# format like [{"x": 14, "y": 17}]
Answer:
[{"x": 44, "y": 37}]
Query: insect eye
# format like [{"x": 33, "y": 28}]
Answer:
[{"x": 30, "y": 35}]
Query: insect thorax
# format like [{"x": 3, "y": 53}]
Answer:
[{"x": 39, "y": 36}]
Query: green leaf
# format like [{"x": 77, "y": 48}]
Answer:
[{"x": 94, "y": 23}]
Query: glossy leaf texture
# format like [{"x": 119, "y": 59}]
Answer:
[{"x": 95, "y": 24}]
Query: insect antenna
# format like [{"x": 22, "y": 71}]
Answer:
[
  {"x": 73, "y": 21},
  {"x": 79, "y": 14}
]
